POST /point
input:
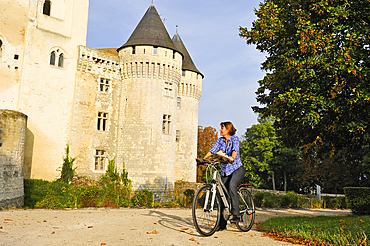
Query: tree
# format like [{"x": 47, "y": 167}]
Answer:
[
  {"x": 207, "y": 137},
  {"x": 67, "y": 171},
  {"x": 256, "y": 152},
  {"x": 317, "y": 70}
]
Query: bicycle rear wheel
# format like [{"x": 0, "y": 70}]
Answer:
[
  {"x": 206, "y": 215},
  {"x": 247, "y": 211}
]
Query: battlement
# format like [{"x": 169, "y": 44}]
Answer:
[{"x": 97, "y": 61}]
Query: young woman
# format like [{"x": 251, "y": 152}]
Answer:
[{"x": 232, "y": 174}]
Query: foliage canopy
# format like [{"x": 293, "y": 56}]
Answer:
[{"x": 317, "y": 70}]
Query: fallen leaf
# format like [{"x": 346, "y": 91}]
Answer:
[
  {"x": 38, "y": 222},
  {"x": 103, "y": 244},
  {"x": 192, "y": 239},
  {"x": 1, "y": 227},
  {"x": 362, "y": 221},
  {"x": 155, "y": 223},
  {"x": 53, "y": 232},
  {"x": 44, "y": 221},
  {"x": 154, "y": 232},
  {"x": 90, "y": 227},
  {"x": 7, "y": 220},
  {"x": 184, "y": 229},
  {"x": 216, "y": 237}
]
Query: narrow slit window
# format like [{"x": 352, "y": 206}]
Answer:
[
  {"x": 179, "y": 103},
  {"x": 52, "y": 58},
  {"x": 61, "y": 60},
  {"x": 177, "y": 136},
  {"x": 102, "y": 121},
  {"x": 183, "y": 73},
  {"x": 155, "y": 50},
  {"x": 166, "y": 124},
  {"x": 46, "y": 8}
]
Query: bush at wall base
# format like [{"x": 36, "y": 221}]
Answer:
[{"x": 358, "y": 200}]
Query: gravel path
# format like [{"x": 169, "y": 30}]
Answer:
[{"x": 129, "y": 226}]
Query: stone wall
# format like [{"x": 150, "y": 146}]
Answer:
[{"x": 13, "y": 126}]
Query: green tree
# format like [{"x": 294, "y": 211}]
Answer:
[
  {"x": 256, "y": 151},
  {"x": 67, "y": 171},
  {"x": 317, "y": 70}
]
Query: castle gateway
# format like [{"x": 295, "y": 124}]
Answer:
[{"x": 136, "y": 104}]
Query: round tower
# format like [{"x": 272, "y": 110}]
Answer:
[
  {"x": 151, "y": 71},
  {"x": 189, "y": 92}
]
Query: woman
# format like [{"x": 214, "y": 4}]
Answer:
[{"x": 232, "y": 174}]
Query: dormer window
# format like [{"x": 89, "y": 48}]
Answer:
[{"x": 46, "y": 8}]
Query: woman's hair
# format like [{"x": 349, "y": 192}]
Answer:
[{"x": 229, "y": 126}]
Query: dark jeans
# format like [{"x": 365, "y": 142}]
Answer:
[{"x": 231, "y": 183}]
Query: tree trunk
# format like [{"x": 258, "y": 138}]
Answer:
[
  {"x": 273, "y": 181},
  {"x": 285, "y": 184}
]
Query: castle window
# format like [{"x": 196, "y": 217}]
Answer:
[
  {"x": 104, "y": 85},
  {"x": 167, "y": 89},
  {"x": 16, "y": 57},
  {"x": 102, "y": 121},
  {"x": 133, "y": 50},
  {"x": 52, "y": 58},
  {"x": 166, "y": 123},
  {"x": 183, "y": 72},
  {"x": 177, "y": 136},
  {"x": 100, "y": 159},
  {"x": 61, "y": 60},
  {"x": 1, "y": 49},
  {"x": 155, "y": 50},
  {"x": 173, "y": 55},
  {"x": 56, "y": 56},
  {"x": 179, "y": 103},
  {"x": 46, "y": 8}
]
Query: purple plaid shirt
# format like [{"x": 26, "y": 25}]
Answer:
[{"x": 232, "y": 145}]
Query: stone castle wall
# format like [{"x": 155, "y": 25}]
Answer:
[{"x": 12, "y": 146}]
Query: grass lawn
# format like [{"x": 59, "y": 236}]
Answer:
[{"x": 321, "y": 230}]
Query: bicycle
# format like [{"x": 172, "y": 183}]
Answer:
[{"x": 206, "y": 210}]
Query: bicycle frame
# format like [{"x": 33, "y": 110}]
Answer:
[{"x": 217, "y": 183}]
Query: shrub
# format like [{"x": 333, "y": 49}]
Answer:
[
  {"x": 90, "y": 196},
  {"x": 358, "y": 200},
  {"x": 258, "y": 199},
  {"x": 326, "y": 202},
  {"x": 117, "y": 187},
  {"x": 50, "y": 201},
  {"x": 110, "y": 199},
  {"x": 189, "y": 196},
  {"x": 67, "y": 171},
  {"x": 302, "y": 201},
  {"x": 316, "y": 203},
  {"x": 143, "y": 198},
  {"x": 270, "y": 200},
  {"x": 36, "y": 190}
]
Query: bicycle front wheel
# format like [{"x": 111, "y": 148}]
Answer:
[
  {"x": 247, "y": 210},
  {"x": 206, "y": 214}
]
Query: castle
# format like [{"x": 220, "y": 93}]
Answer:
[{"x": 136, "y": 104}]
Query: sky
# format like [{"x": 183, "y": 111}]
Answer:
[{"x": 210, "y": 33}]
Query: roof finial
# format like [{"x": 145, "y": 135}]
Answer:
[
  {"x": 152, "y": 2},
  {"x": 177, "y": 27}
]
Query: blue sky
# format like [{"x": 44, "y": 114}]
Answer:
[{"x": 209, "y": 30}]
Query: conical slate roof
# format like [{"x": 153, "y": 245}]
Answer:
[
  {"x": 150, "y": 31},
  {"x": 187, "y": 62}
]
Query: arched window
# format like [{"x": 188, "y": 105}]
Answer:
[
  {"x": 46, "y": 7},
  {"x": 52, "y": 58},
  {"x": 61, "y": 60}
]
